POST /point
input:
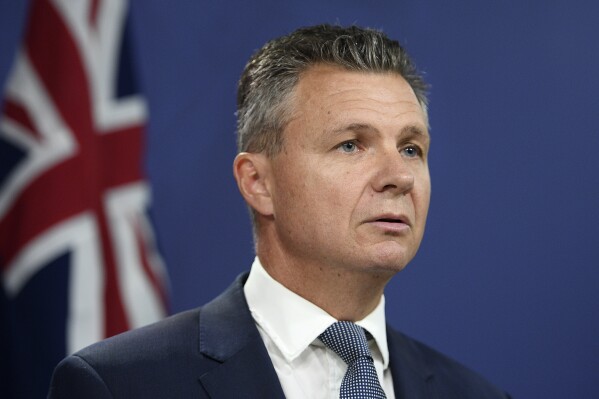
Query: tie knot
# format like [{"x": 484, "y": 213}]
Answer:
[{"x": 347, "y": 340}]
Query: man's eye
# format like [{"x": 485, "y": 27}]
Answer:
[
  {"x": 411, "y": 151},
  {"x": 348, "y": 146}
]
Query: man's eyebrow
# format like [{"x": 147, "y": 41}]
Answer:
[
  {"x": 415, "y": 131},
  {"x": 409, "y": 130},
  {"x": 355, "y": 127}
]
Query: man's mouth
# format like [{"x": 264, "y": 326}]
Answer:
[{"x": 390, "y": 220}]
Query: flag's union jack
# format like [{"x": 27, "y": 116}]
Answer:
[{"x": 73, "y": 199}]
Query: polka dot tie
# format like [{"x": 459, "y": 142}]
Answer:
[{"x": 348, "y": 340}]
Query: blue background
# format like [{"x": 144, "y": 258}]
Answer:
[{"x": 507, "y": 278}]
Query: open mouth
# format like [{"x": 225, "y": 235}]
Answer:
[{"x": 390, "y": 220}]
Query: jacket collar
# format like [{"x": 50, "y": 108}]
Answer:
[{"x": 229, "y": 336}]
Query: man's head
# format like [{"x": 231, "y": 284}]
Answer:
[
  {"x": 333, "y": 139},
  {"x": 271, "y": 74}
]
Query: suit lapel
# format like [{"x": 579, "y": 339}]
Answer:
[
  {"x": 229, "y": 335},
  {"x": 411, "y": 376},
  {"x": 247, "y": 374}
]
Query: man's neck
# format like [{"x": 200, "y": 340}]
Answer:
[{"x": 345, "y": 295}]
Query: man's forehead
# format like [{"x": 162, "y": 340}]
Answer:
[{"x": 325, "y": 81}]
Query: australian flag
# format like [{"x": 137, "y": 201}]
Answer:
[{"x": 77, "y": 251}]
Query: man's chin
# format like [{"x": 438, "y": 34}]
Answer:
[{"x": 391, "y": 256}]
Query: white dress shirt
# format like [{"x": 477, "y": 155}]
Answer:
[{"x": 290, "y": 326}]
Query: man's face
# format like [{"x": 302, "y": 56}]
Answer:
[{"x": 351, "y": 187}]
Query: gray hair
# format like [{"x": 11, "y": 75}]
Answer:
[{"x": 271, "y": 74}]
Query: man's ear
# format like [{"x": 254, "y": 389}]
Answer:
[{"x": 252, "y": 173}]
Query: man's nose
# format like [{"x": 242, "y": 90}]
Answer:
[{"x": 393, "y": 173}]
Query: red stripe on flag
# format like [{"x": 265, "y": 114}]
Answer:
[
  {"x": 56, "y": 59},
  {"x": 115, "y": 318},
  {"x": 143, "y": 249},
  {"x": 19, "y": 114},
  {"x": 93, "y": 12}
]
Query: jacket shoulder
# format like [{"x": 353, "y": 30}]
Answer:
[
  {"x": 167, "y": 337},
  {"x": 171, "y": 358},
  {"x": 150, "y": 361}
]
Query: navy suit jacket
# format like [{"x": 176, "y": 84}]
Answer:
[{"x": 216, "y": 352}]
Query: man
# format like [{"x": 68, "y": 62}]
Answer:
[{"x": 333, "y": 139}]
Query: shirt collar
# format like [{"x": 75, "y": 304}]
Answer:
[{"x": 293, "y": 322}]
